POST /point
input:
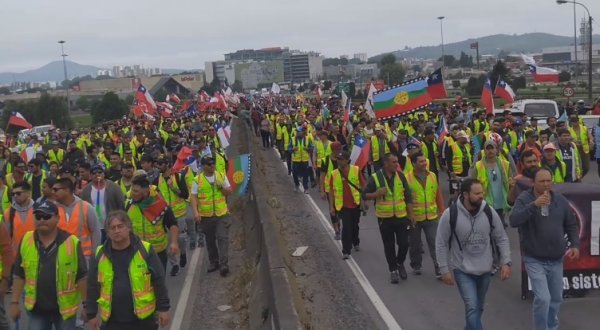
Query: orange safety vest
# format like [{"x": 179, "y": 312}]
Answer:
[
  {"x": 19, "y": 227},
  {"x": 78, "y": 226}
]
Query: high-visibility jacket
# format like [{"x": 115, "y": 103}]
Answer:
[
  {"x": 29, "y": 178},
  {"x": 102, "y": 157},
  {"x": 77, "y": 225},
  {"x": 477, "y": 124},
  {"x": 56, "y": 156},
  {"x": 483, "y": 177},
  {"x": 177, "y": 204},
  {"x": 6, "y": 199},
  {"x": 338, "y": 186},
  {"x": 279, "y": 131},
  {"x": 66, "y": 274},
  {"x": 9, "y": 168},
  {"x": 301, "y": 154},
  {"x": 142, "y": 291},
  {"x": 323, "y": 150},
  {"x": 576, "y": 168},
  {"x": 457, "y": 157},
  {"x": 123, "y": 187},
  {"x": 330, "y": 169},
  {"x": 220, "y": 162},
  {"x": 148, "y": 230},
  {"x": 559, "y": 173},
  {"x": 582, "y": 138},
  {"x": 435, "y": 151},
  {"x": 285, "y": 133},
  {"x": 1, "y": 267},
  {"x": 211, "y": 201},
  {"x": 10, "y": 180},
  {"x": 392, "y": 204},
  {"x": 424, "y": 199},
  {"x": 375, "y": 148},
  {"x": 19, "y": 226}
]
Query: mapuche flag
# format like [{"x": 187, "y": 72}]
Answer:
[
  {"x": 238, "y": 174},
  {"x": 399, "y": 100}
]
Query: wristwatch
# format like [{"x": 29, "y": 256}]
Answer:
[{"x": 509, "y": 264}]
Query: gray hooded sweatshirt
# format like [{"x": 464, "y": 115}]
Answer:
[{"x": 475, "y": 257}]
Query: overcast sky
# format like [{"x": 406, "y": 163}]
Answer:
[{"x": 186, "y": 33}]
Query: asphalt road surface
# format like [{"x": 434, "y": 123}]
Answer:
[
  {"x": 423, "y": 302},
  {"x": 175, "y": 287}
]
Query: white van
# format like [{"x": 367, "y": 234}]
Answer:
[
  {"x": 540, "y": 109},
  {"x": 37, "y": 130}
]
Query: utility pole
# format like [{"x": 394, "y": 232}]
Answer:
[{"x": 62, "y": 48}]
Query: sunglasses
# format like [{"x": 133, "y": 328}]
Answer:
[
  {"x": 98, "y": 172},
  {"x": 43, "y": 216}
]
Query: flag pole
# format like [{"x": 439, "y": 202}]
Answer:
[{"x": 477, "y": 50}]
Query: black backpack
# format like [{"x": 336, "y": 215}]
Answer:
[{"x": 453, "y": 218}]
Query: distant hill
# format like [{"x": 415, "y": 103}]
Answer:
[
  {"x": 52, "y": 71},
  {"x": 525, "y": 43}
]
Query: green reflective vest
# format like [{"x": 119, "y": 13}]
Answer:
[
  {"x": 424, "y": 199},
  {"x": 392, "y": 204}
]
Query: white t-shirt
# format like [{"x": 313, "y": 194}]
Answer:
[{"x": 211, "y": 180}]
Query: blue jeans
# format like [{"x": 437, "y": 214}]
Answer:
[
  {"x": 473, "y": 289},
  {"x": 39, "y": 321},
  {"x": 547, "y": 285}
]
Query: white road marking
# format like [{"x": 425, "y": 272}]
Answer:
[
  {"x": 383, "y": 311},
  {"x": 182, "y": 303},
  {"x": 379, "y": 305}
]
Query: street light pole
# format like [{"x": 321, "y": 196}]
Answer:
[
  {"x": 560, "y": 2},
  {"x": 575, "y": 40},
  {"x": 441, "y": 18},
  {"x": 62, "y": 48}
]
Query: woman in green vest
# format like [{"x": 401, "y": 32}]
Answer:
[{"x": 138, "y": 300}]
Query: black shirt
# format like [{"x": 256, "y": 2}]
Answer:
[
  {"x": 122, "y": 286},
  {"x": 114, "y": 174},
  {"x": 36, "y": 187},
  {"x": 46, "y": 300}
]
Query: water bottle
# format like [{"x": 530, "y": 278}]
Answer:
[{"x": 544, "y": 210}]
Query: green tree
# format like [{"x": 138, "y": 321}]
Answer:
[
  {"x": 392, "y": 74},
  {"x": 518, "y": 82},
  {"x": 237, "y": 86},
  {"x": 475, "y": 85},
  {"x": 82, "y": 103},
  {"x": 449, "y": 60},
  {"x": 465, "y": 60},
  {"x": 129, "y": 99},
  {"x": 499, "y": 71},
  {"x": 110, "y": 107},
  {"x": 4, "y": 91},
  {"x": 564, "y": 76},
  {"x": 160, "y": 95},
  {"x": 387, "y": 60},
  {"x": 351, "y": 89},
  {"x": 52, "y": 109},
  {"x": 327, "y": 84}
]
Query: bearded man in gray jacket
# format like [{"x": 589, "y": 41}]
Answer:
[{"x": 465, "y": 247}]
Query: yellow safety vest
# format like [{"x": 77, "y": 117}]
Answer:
[
  {"x": 177, "y": 204},
  {"x": 375, "y": 148},
  {"x": 279, "y": 128},
  {"x": 301, "y": 154},
  {"x": 29, "y": 178},
  {"x": 582, "y": 138},
  {"x": 211, "y": 201},
  {"x": 482, "y": 176},
  {"x": 392, "y": 204},
  {"x": 6, "y": 201},
  {"x": 424, "y": 199},
  {"x": 457, "y": 157},
  {"x": 322, "y": 151},
  {"x": 1, "y": 267},
  {"x": 57, "y": 157},
  {"x": 142, "y": 292},
  {"x": 576, "y": 159},
  {"x": 66, "y": 274},
  {"x": 560, "y": 175},
  {"x": 152, "y": 232},
  {"x": 338, "y": 186}
]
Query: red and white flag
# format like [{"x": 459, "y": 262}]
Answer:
[
  {"x": 17, "y": 119},
  {"x": 173, "y": 98},
  {"x": 543, "y": 74},
  {"x": 504, "y": 91},
  {"x": 487, "y": 98},
  {"x": 143, "y": 96},
  {"x": 204, "y": 97},
  {"x": 359, "y": 155}
]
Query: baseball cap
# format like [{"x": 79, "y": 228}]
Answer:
[
  {"x": 412, "y": 146},
  {"x": 97, "y": 167},
  {"x": 45, "y": 207},
  {"x": 518, "y": 122},
  {"x": 549, "y": 146},
  {"x": 489, "y": 143},
  {"x": 462, "y": 134}
]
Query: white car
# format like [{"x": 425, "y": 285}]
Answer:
[
  {"x": 37, "y": 130},
  {"x": 540, "y": 109}
]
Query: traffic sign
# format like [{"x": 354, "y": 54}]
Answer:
[{"x": 568, "y": 91}]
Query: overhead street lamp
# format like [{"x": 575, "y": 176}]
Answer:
[
  {"x": 560, "y": 2},
  {"x": 62, "y": 48},
  {"x": 441, "y": 18}
]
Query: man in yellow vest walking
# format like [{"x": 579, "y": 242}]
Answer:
[
  {"x": 210, "y": 210},
  {"x": 428, "y": 205},
  {"x": 126, "y": 282},
  {"x": 51, "y": 271},
  {"x": 393, "y": 208},
  {"x": 344, "y": 199}
]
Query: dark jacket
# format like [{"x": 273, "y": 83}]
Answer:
[
  {"x": 113, "y": 197},
  {"x": 544, "y": 237},
  {"x": 158, "y": 282}
]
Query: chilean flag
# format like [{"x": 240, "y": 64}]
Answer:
[
  {"x": 442, "y": 130},
  {"x": 435, "y": 85},
  {"x": 487, "y": 98},
  {"x": 360, "y": 151},
  {"x": 17, "y": 119},
  {"x": 543, "y": 74},
  {"x": 143, "y": 96},
  {"x": 504, "y": 91},
  {"x": 346, "y": 117},
  {"x": 184, "y": 158}
]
